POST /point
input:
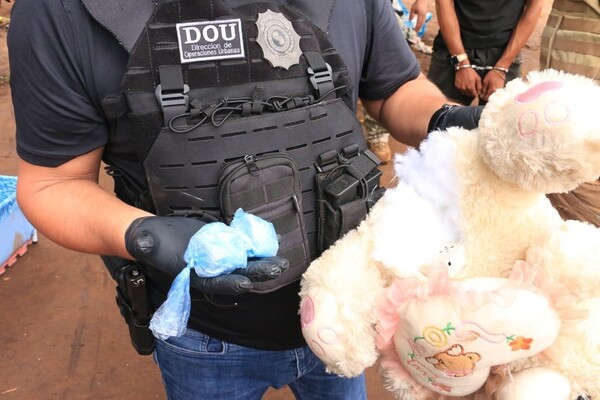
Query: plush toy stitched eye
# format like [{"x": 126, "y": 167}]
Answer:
[
  {"x": 556, "y": 113},
  {"x": 528, "y": 123}
]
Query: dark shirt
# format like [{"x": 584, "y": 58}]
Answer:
[
  {"x": 485, "y": 23},
  {"x": 63, "y": 63}
]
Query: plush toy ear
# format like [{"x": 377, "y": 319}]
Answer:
[{"x": 543, "y": 134}]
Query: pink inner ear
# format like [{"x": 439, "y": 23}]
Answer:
[
  {"x": 307, "y": 312},
  {"x": 536, "y": 91}
]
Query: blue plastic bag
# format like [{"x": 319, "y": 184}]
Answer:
[
  {"x": 171, "y": 317},
  {"x": 215, "y": 249},
  {"x": 411, "y": 23},
  {"x": 260, "y": 233}
]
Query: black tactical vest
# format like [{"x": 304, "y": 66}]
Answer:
[{"x": 211, "y": 83}]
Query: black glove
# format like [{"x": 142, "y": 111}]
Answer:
[
  {"x": 452, "y": 115},
  {"x": 242, "y": 280},
  {"x": 160, "y": 242}
]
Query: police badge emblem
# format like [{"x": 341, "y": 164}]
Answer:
[{"x": 278, "y": 40}]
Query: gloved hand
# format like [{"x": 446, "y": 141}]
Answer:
[
  {"x": 160, "y": 242},
  {"x": 453, "y": 115},
  {"x": 242, "y": 280}
]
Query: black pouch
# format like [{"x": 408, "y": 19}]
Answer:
[
  {"x": 348, "y": 185},
  {"x": 268, "y": 186}
]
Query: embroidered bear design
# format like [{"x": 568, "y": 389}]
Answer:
[{"x": 454, "y": 362}]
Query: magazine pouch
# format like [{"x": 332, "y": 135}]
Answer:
[
  {"x": 348, "y": 185},
  {"x": 268, "y": 186}
]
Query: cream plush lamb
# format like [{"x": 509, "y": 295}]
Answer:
[{"x": 463, "y": 280}]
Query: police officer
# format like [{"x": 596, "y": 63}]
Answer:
[
  {"x": 570, "y": 43},
  {"x": 168, "y": 94}
]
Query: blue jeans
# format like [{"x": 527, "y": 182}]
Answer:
[{"x": 199, "y": 367}]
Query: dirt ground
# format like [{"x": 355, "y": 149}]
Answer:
[{"x": 61, "y": 336}]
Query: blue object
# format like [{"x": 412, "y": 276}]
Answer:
[
  {"x": 408, "y": 23},
  {"x": 216, "y": 249},
  {"x": 171, "y": 317},
  {"x": 15, "y": 230},
  {"x": 260, "y": 233}
]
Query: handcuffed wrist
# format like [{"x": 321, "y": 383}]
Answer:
[
  {"x": 456, "y": 59},
  {"x": 463, "y": 66},
  {"x": 458, "y": 67},
  {"x": 500, "y": 72}
]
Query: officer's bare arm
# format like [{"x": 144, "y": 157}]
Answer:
[
  {"x": 407, "y": 112},
  {"x": 68, "y": 206}
]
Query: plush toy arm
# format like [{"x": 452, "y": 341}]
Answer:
[
  {"x": 535, "y": 383},
  {"x": 338, "y": 294},
  {"x": 569, "y": 258},
  {"x": 571, "y": 255}
]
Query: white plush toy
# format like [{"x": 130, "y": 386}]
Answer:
[{"x": 463, "y": 280}]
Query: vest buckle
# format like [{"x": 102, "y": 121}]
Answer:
[
  {"x": 322, "y": 81},
  {"x": 173, "y": 103},
  {"x": 172, "y": 99}
]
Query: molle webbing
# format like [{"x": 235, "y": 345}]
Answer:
[
  {"x": 159, "y": 46},
  {"x": 186, "y": 167},
  {"x": 312, "y": 113}
]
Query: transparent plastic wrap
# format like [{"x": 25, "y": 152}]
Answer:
[
  {"x": 216, "y": 249},
  {"x": 261, "y": 234}
]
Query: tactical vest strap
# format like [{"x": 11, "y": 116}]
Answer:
[
  {"x": 321, "y": 77},
  {"x": 316, "y": 11},
  {"x": 171, "y": 93},
  {"x": 124, "y": 19}
]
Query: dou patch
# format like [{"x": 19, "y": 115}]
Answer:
[{"x": 210, "y": 40}]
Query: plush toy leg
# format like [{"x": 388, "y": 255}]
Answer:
[
  {"x": 338, "y": 294},
  {"x": 536, "y": 383}
]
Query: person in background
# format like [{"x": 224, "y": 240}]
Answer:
[
  {"x": 168, "y": 95},
  {"x": 571, "y": 43},
  {"x": 418, "y": 10},
  {"x": 477, "y": 49}
]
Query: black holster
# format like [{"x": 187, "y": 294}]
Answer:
[{"x": 132, "y": 300}]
